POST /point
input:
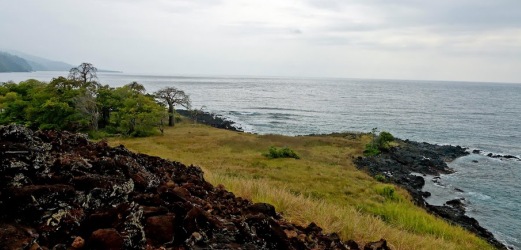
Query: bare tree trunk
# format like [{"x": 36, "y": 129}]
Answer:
[
  {"x": 86, "y": 104},
  {"x": 132, "y": 125},
  {"x": 95, "y": 120},
  {"x": 171, "y": 118},
  {"x": 161, "y": 127},
  {"x": 105, "y": 117}
]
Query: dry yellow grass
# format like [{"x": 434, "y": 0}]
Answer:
[{"x": 323, "y": 186}]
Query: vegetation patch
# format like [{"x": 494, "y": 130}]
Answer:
[
  {"x": 78, "y": 103},
  {"x": 380, "y": 178},
  {"x": 388, "y": 192},
  {"x": 283, "y": 152},
  {"x": 380, "y": 142}
]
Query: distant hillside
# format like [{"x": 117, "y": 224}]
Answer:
[
  {"x": 43, "y": 64},
  {"x": 37, "y": 63},
  {"x": 12, "y": 63}
]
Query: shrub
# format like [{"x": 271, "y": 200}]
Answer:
[
  {"x": 384, "y": 139},
  {"x": 378, "y": 143},
  {"x": 380, "y": 177},
  {"x": 284, "y": 152},
  {"x": 371, "y": 150}
]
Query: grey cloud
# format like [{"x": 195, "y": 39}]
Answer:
[
  {"x": 335, "y": 5},
  {"x": 234, "y": 37},
  {"x": 261, "y": 28},
  {"x": 186, "y": 6},
  {"x": 296, "y": 31},
  {"x": 350, "y": 26},
  {"x": 473, "y": 14}
]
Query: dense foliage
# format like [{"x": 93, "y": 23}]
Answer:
[{"x": 79, "y": 103}]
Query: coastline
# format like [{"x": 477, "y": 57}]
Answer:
[
  {"x": 430, "y": 162},
  {"x": 407, "y": 166},
  {"x": 210, "y": 119}
]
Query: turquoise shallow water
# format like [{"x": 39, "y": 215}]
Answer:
[{"x": 484, "y": 116}]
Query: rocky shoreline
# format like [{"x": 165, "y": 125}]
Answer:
[
  {"x": 60, "y": 191},
  {"x": 405, "y": 165},
  {"x": 210, "y": 119}
]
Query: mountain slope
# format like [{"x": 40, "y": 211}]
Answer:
[
  {"x": 11, "y": 63},
  {"x": 43, "y": 64}
]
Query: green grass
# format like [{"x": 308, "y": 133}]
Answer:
[{"x": 322, "y": 186}]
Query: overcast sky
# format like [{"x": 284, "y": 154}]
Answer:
[{"x": 472, "y": 40}]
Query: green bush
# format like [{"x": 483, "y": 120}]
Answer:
[
  {"x": 382, "y": 142},
  {"x": 284, "y": 152},
  {"x": 380, "y": 177},
  {"x": 371, "y": 150},
  {"x": 384, "y": 139}
]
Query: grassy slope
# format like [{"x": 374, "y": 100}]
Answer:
[{"x": 323, "y": 186}]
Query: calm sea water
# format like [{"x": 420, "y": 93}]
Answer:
[{"x": 485, "y": 116}]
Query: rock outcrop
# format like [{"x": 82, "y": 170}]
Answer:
[
  {"x": 210, "y": 119},
  {"x": 398, "y": 165},
  {"x": 60, "y": 191}
]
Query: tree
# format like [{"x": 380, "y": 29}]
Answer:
[
  {"x": 87, "y": 106},
  {"x": 136, "y": 87},
  {"x": 17, "y": 99},
  {"x": 63, "y": 84},
  {"x": 51, "y": 108},
  {"x": 107, "y": 103},
  {"x": 172, "y": 97},
  {"x": 85, "y": 76},
  {"x": 135, "y": 114}
]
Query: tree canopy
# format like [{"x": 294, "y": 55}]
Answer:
[
  {"x": 79, "y": 103},
  {"x": 171, "y": 97}
]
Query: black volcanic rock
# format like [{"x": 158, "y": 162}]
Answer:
[
  {"x": 58, "y": 191},
  {"x": 209, "y": 119},
  {"x": 402, "y": 164},
  {"x": 497, "y": 156}
]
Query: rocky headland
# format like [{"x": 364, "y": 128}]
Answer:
[
  {"x": 405, "y": 164},
  {"x": 60, "y": 191},
  {"x": 210, "y": 119}
]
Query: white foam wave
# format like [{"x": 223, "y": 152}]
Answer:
[{"x": 480, "y": 196}]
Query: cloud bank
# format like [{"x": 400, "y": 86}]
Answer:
[{"x": 474, "y": 40}]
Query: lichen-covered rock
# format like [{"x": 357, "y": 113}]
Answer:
[{"x": 60, "y": 191}]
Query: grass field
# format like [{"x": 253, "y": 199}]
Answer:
[{"x": 322, "y": 186}]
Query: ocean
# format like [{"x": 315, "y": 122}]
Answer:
[{"x": 475, "y": 115}]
